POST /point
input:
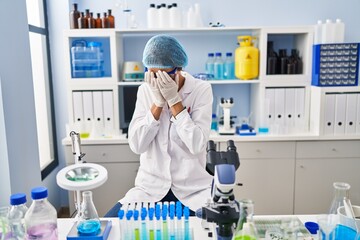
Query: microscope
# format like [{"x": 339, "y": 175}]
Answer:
[
  {"x": 223, "y": 210},
  {"x": 226, "y": 124}
]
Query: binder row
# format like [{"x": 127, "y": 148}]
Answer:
[
  {"x": 93, "y": 112},
  {"x": 285, "y": 108},
  {"x": 342, "y": 114}
]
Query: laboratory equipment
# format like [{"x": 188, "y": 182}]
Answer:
[
  {"x": 151, "y": 16},
  {"x": 16, "y": 215},
  {"x": 222, "y": 210},
  {"x": 92, "y": 21},
  {"x": 226, "y": 124},
  {"x": 98, "y": 21},
  {"x": 209, "y": 65},
  {"x": 4, "y": 223},
  {"x": 41, "y": 218},
  {"x": 327, "y": 224},
  {"x": 272, "y": 59},
  {"x": 229, "y": 66},
  {"x": 175, "y": 16},
  {"x": 74, "y": 16},
  {"x": 214, "y": 122},
  {"x": 218, "y": 66},
  {"x": 133, "y": 71},
  {"x": 111, "y": 20},
  {"x": 245, "y": 129},
  {"x": 246, "y": 59},
  {"x": 105, "y": 20},
  {"x": 88, "y": 220},
  {"x": 246, "y": 227}
]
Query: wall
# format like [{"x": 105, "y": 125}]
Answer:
[{"x": 228, "y": 12}]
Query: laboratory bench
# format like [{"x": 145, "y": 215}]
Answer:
[{"x": 65, "y": 224}]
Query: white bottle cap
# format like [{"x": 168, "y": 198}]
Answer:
[
  {"x": 319, "y": 22},
  {"x": 328, "y": 20},
  {"x": 338, "y": 20}
]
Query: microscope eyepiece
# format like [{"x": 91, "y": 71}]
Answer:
[
  {"x": 211, "y": 146},
  {"x": 231, "y": 146}
]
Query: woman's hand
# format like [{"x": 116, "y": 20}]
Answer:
[
  {"x": 168, "y": 87},
  {"x": 150, "y": 79}
]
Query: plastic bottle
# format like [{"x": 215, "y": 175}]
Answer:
[
  {"x": 163, "y": 16},
  {"x": 74, "y": 16},
  {"x": 318, "y": 32},
  {"x": 209, "y": 65},
  {"x": 218, "y": 66},
  {"x": 16, "y": 215},
  {"x": 214, "y": 122},
  {"x": 190, "y": 18},
  {"x": 41, "y": 218},
  {"x": 98, "y": 21},
  {"x": 89, "y": 222},
  {"x": 328, "y": 32},
  {"x": 229, "y": 66},
  {"x": 198, "y": 17},
  {"x": 339, "y": 31},
  {"x": 151, "y": 16},
  {"x": 175, "y": 16}
]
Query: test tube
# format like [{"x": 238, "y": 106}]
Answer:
[
  {"x": 136, "y": 225},
  {"x": 129, "y": 227},
  {"x": 143, "y": 224},
  {"x": 122, "y": 223},
  {"x": 151, "y": 223},
  {"x": 179, "y": 228},
  {"x": 164, "y": 213},
  {"x": 172, "y": 220},
  {"x": 186, "y": 223},
  {"x": 158, "y": 221}
]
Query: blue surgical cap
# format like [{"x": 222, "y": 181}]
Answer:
[{"x": 163, "y": 51}]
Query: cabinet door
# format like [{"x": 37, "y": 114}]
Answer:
[
  {"x": 267, "y": 174},
  {"x": 314, "y": 182}
]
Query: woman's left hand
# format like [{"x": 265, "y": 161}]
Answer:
[{"x": 169, "y": 87}]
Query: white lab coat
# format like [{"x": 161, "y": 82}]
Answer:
[{"x": 173, "y": 151}]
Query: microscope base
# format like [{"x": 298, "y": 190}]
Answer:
[{"x": 223, "y": 131}]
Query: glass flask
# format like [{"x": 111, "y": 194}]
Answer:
[
  {"x": 246, "y": 229},
  {"x": 341, "y": 195},
  {"x": 88, "y": 219}
]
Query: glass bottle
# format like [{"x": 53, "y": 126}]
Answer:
[
  {"x": 283, "y": 61},
  {"x": 88, "y": 219},
  {"x": 246, "y": 229},
  {"x": 4, "y": 223},
  {"x": 214, "y": 122},
  {"x": 74, "y": 16},
  {"x": 229, "y": 67},
  {"x": 87, "y": 17},
  {"x": 105, "y": 21},
  {"x": 272, "y": 59},
  {"x": 82, "y": 20},
  {"x": 16, "y": 215},
  {"x": 218, "y": 66},
  {"x": 98, "y": 21},
  {"x": 41, "y": 218},
  {"x": 111, "y": 19},
  {"x": 91, "y": 21}
]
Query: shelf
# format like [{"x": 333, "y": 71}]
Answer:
[{"x": 213, "y": 82}]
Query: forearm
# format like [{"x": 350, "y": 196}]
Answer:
[
  {"x": 176, "y": 109},
  {"x": 156, "y": 111}
]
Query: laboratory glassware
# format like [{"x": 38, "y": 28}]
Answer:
[
  {"x": 16, "y": 215},
  {"x": 229, "y": 66},
  {"x": 218, "y": 66},
  {"x": 98, "y": 21},
  {"x": 41, "y": 218},
  {"x": 74, "y": 16},
  {"x": 91, "y": 21},
  {"x": 209, "y": 65},
  {"x": 88, "y": 222},
  {"x": 111, "y": 19},
  {"x": 105, "y": 21},
  {"x": 4, "y": 222},
  {"x": 246, "y": 227}
]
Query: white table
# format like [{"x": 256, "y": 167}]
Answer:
[{"x": 65, "y": 224}]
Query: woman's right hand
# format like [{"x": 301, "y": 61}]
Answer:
[{"x": 150, "y": 79}]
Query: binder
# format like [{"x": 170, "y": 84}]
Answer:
[
  {"x": 350, "y": 119},
  {"x": 270, "y": 95},
  {"x": 340, "y": 114},
  {"x": 300, "y": 109},
  {"x": 329, "y": 114},
  {"x": 358, "y": 114},
  {"x": 78, "y": 107},
  {"x": 98, "y": 124},
  {"x": 88, "y": 109},
  {"x": 108, "y": 107},
  {"x": 290, "y": 109},
  {"x": 280, "y": 108}
]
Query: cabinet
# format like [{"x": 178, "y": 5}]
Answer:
[
  {"x": 318, "y": 165},
  {"x": 122, "y": 165},
  {"x": 267, "y": 173}
]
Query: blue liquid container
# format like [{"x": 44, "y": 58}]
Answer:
[
  {"x": 218, "y": 66},
  {"x": 209, "y": 65},
  {"x": 229, "y": 67},
  {"x": 214, "y": 122},
  {"x": 41, "y": 218}
]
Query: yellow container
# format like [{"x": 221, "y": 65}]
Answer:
[{"x": 246, "y": 59}]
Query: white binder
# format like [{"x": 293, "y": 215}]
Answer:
[
  {"x": 350, "y": 119},
  {"x": 270, "y": 95},
  {"x": 98, "y": 123},
  {"x": 300, "y": 109},
  {"x": 280, "y": 108},
  {"x": 88, "y": 106},
  {"x": 290, "y": 109},
  {"x": 329, "y": 114},
  {"x": 340, "y": 114},
  {"x": 78, "y": 107},
  {"x": 108, "y": 107},
  {"x": 358, "y": 114}
]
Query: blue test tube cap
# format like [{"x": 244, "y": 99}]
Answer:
[
  {"x": 121, "y": 214},
  {"x": 136, "y": 215},
  {"x": 143, "y": 214},
  {"x": 151, "y": 213},
  {"x": 186, "y": 212},
  {"x": 164, "y": 213},
  {"x": 157, "y": 212},
  {"x": 129, "y": 214},
  {"x": 178, "y": 205},
  {"x": 178, "y": 213}
]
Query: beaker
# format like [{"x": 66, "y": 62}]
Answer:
[
  {"x": 246, "y": 227},
  {"x": 88, "y": 222}
]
